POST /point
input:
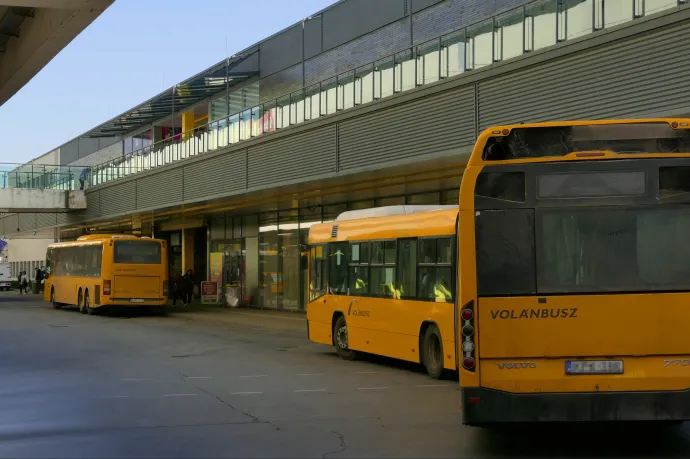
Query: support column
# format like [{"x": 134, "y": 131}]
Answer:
[
  {"x": 187, "y": 249},
  {"x": 187, "y": 122}
]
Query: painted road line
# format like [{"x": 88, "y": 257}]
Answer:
[
  {"x": 310, "y": 390},
  {"x": 246, "y": 393}
]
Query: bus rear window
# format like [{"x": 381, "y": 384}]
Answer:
[
  {"x": 538, "y": 142},
  {"x": 137, "y": 252}
]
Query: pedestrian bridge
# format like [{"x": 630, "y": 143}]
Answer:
[{"x": 40, "y": 188}]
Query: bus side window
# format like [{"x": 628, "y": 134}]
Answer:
[
  {"x": 317, "y": 271},
  {"x": 407, "y": 268},
  {"x": 337, "y": 267},
  {"x": 435, "y": 273}
]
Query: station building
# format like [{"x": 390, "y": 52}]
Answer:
[{"x": 363, "y": 104}]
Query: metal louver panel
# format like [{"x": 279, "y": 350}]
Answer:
[
  {"x": 215, "y": 176},
  {"x": 159, "y": 189},
  {"x": 334, "y": 231},
  {"x": 433, "y": 124},
  {"x": 307, "y": 154},
  {"x": 119, "y": 198},
  {"x": 93, "y": 204},
  {"x": 638, "y": 76},
  {"x": 45, "y": 220}
]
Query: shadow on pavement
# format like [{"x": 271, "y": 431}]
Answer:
[{"x": 583, "y": 440}]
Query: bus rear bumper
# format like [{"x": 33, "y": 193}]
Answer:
[{"x": 483, "y": 406}]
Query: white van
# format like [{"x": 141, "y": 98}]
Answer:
[{"x": 5, "y": 276}]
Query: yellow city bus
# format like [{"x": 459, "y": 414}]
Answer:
[
  {"x": 574, "y": 270},
  {"x": 382, "y": 281},
  {"x": 107, "y": 270},
  {"x": 575, "y": 273}
]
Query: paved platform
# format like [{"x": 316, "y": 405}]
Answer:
[{"x": 240, "y": 383}]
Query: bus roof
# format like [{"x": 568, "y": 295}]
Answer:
[
  {"x": 578, "y": 140},
  {"x": 436, "y": 221},
  {"x": 94, "y": 239}
]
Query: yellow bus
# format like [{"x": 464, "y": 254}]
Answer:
[
  {"x": 382, "y": 282},
  {"x": 574, "y": 270},
  {"x": 107, "y": 270}
]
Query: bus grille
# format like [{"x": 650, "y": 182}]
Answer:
[{"x": 334, "y": 231}]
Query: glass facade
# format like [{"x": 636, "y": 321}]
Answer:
[
  {"x": 239, "y": 115},
  {"x": 265, "y": 256}
]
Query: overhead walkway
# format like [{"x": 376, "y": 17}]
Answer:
[{"x": 40, "y": 188}]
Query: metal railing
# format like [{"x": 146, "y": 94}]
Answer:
[
  {"x": 534, "y": 26},
  {"x": 43, "y": 176}
]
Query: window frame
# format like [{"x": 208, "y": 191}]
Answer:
[
  {"x": 320, "y": 292},
  {"x": 435, "y": 265}
]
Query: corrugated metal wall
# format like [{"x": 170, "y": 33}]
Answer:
[
  {"x": 158, "y": 189},
  {"x": 119, "y": 198},
  {"x": 219, "y": 175},
  {"x": 420, "y": 127},
  {"x": 299, "y": 156},
  {"x": 641, "y": 75}
]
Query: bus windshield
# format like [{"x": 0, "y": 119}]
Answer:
[
  {"x": 537, "y": 142},
  {"x": 137, "y": 252}
]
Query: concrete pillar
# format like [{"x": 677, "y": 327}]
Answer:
[{"x": 187, "y": 249}]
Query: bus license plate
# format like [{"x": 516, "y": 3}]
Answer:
[
  {"x": 136, "y": 300},
  {"x": 594, "y": 367}
]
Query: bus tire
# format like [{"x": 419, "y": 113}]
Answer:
[
  {"x": 87, "y": 304},
  {"x": 56, "y": 305},
  {"x": 340, "y": 340},
  {"x": 432, "y": 352}
]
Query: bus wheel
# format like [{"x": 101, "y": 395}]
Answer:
[
  {"x": 340, "y": 340},
  {"x": 432, "y": 352},
  {"x": 87, "y": 305},
  {"x": 56, "y": 305}
]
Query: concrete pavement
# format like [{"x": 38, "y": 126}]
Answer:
[{"x": 244, "y": 385}]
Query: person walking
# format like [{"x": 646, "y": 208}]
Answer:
[
  {"x": 19, "y": 281},
  {"x": 188, "y": 287},
  {"x": 24, "y": 283},
  {"x": 178, "y": 288}
]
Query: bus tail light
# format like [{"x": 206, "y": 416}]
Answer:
[
  {"x": 106, "y": 288},
  {"x": 468, "y": 335},
  {"x": 165, "y": 288}
]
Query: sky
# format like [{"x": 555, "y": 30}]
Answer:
[{"x": 133, "y": 51}]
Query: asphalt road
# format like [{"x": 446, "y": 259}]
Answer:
[{"x": 114, "y": 386}]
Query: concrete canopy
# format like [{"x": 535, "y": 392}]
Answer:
[{"x": 33, "y": 32}]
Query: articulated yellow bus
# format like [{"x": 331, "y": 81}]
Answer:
[
  {"x": 107, "y": 270},
  {"x": 573, "y": 277}
]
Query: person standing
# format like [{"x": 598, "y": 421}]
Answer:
[{"x": 189, "y": 287}]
